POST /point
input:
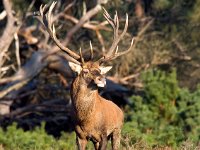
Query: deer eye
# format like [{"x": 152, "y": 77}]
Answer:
[{"x": 95, "y": 72}]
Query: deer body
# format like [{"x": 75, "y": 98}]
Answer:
[{"x": 96, "y": 118}]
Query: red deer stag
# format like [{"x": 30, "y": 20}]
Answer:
[{"x": 97, "y": 119}]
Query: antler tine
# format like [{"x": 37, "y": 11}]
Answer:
[
  {"x": 81, "y": 55},
  {"x": 91, "y": 51},
  {"x": 46, "y": 19},
  {"x": 116, "y": 54},
  {"x": 49, "y": 18},
  {"x": 123, "y": 52},
  {"x": 117, "y": 37},
  {"x": 108, "y": 18},
  {"x": 116, "y": 29},
  {"x": 113, "y": 50}
]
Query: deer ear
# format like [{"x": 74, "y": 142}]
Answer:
[
  {"x": 75, "y": 67},
  {"x": 104, "y": 70}
]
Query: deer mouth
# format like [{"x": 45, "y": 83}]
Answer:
[{"x": 100, "y": 82}]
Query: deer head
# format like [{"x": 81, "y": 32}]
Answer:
[{"x": 93, "y": 72}]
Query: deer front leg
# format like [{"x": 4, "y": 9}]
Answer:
[
  {"x": 115, "y": 139},
  {"x": 81, "y": 143},
  {"x": 81, "y": 139},
  {"x": 96, "y": 145},
  {"x": 103, "y": 143}
]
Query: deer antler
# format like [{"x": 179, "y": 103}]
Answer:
[
  {"x": 113, "y": 51},
  {"x": 47, "y": 21}
]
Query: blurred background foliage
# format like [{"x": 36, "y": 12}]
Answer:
[{"x": 165, "y": 111}]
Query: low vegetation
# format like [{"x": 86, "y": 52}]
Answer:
[{"x": 164, "y": 114}]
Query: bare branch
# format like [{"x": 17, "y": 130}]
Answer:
[
  {"x": 14, "y": 87},
  {"x": 11, "y": 28},
  {"x": 96, "y": 27},
  {"x": 89, "y": 25},
  {"x": 37, "y": 63},
  {"x": 83, "y": 19}
]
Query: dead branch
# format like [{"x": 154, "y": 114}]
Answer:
[
  {"x": 124, "y": 80},
  {"x": 11, "y": 28},
  {"x": 21, "y": 78},
  {"x": 36, "y": 63},
  {"x": 96, "y": 27},
  {"x": 31, "y": 92},
  {"x": 89, "y": 25},
  {"x": 83, "y": 19},
  {"x": 182, "y": 51},
  {"x": 64, "y": 11},
  {"x": 32, "y": 67},
  {"x": 47, "y": 106},
  {"x": 13, "y": 87},
  {"x": 141, "y": 32}
]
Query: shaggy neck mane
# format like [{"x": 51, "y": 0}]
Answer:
[{"x": 83, "y": 98}]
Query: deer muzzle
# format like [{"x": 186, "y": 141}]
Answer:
[{"x": 100, "y": 81}]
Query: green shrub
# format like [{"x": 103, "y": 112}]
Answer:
[
  {"x": 165, "y": 114},
  {"x": 16, "y": 139},
  {"x": 189, "y": 111}
]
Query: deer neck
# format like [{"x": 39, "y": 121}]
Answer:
[{"x": 84, "y": 98}]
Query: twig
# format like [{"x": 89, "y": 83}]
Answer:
[
  {"x": 56, "y": 17},
  {"x": 31, "y": 6},
  {"x": 141, "y": 32},
  {"x": 179, "y": 46}
]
